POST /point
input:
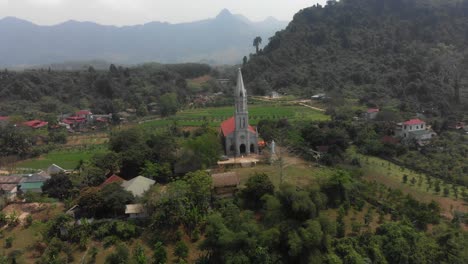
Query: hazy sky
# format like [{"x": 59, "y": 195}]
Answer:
[{"x": 129, "y": 12}]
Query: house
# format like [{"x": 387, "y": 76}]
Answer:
[
  {"x": 32, "y": 183},
  {"x": 112, "y": 179},
  {"x": 84, "y": 113},
  {"x": 9, "y": 186},
  {"x": 35, "y": 124},
  {"x": 135, "y": 211},
  {"x": 138, "y": 185},
  {"x": 54, "y": 169},
  {"x": 274, "y": 95},
  {"x": 371, "y": 113},
  {"x": 238, "y": 137},
  {"x": 414, "y": 130},
  {"x": 225, "y": 184}
]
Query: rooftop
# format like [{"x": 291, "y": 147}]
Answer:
[
  {"x": 134, "y": 209},
  {"x": 138, "y": 185},
  {"x": 414, "y": 122},
  {"x": 225, "y": 179},
  {"x": 112, "y": 179},
  {"x": 229, "y": 125},
  {"x": 10, "y": 179}
]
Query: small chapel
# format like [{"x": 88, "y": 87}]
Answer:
[{"x": 239, "y": 138}]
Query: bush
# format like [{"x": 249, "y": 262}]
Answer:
[
  {"x": 160, "y": 254},
  {"x": 9, "y": 242},
  {"x": 181, "y": 250},
  {"x": 29, "y": 220},
  {"x": 110, "y": 241}
]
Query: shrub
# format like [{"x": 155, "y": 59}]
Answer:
[
  {"x": 9, "y": 242},
  {"x": 181, "y": 250}
]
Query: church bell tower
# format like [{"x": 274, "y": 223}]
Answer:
[{"x": 241, "y": 117}]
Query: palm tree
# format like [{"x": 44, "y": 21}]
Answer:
[{"x": 257, "y": 41}]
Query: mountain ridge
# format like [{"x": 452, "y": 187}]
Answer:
[{"x": 28, "y": 44}]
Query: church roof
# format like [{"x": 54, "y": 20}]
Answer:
[{"x": 229, "y": 125}]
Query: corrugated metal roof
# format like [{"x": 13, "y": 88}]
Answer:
[
  {"x": 31, "y": 185},
  {"x": 225, "y": 179},
  {"x": 134, "y": 209},
  {"x": 138, "y": 185}
]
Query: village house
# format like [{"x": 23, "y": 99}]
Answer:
[
  {"x": 414, "y": 130},
  {"x": 113, "y": 178},
  {"x": 32, "y": 183},
  {"x": 371, "y": 113},
  {"x": 55, "y": 169},
  {"x": 138, "y": 185},
  {"x": 35, "y": 124},
  {"x": 135, "y": 211},
  {"x": 225, "y": 184},
  {"x": 9, "y": 186}
]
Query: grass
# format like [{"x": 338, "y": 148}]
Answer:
[
  {"x": 65, "y": 158},
  {"x": 296, "y": 172},
  {"x": 215, "y": 115}
]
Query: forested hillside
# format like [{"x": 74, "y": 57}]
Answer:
[
  {"x": 105, "y": 92},
  {"x": 413, "y": 50}
]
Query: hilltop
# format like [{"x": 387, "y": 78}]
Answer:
[{"x": 411, "y": 50}]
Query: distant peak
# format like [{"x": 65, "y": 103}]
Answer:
[{"x": 224, "y": 13}]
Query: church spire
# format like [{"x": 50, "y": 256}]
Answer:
[{"x": 241, "y": 94}]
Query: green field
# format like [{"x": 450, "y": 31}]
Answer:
[
  {"x": 66, "y": 158},
  {"x": 215, "y": 115}
]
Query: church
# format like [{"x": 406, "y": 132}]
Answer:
[{"x": 239, "y": 138}]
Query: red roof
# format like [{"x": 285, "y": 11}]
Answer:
[
  {"x": 83, "y": 113},
  {"x": 229, "y": 125},
  {"x": 112, "y": 179},
  {"x": 102, "y": 119},
  {"x": 4, "y": 118},
  {"x": 35, "y": 123},
  {"x": 76, "y": 118},
  {"x": 373, "y": 110},
  {"x": 414, "y": 122}
]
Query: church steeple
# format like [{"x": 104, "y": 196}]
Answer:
[{"x": 241, "y": 94}]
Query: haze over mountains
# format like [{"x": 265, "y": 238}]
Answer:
[{"x": 224, "y": 39}]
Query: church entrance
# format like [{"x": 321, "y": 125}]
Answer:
[
  {"x": 252, "y": 148},
  {"x": 242, "y": 149}
]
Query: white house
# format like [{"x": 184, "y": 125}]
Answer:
[{"x": 414, "y": 129}]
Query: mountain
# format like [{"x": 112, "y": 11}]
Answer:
[
  {"x": 415, "y": 51},
  {"x": 221, "y": 40}
]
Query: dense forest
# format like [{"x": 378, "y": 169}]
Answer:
[
  {"x": 413, "y": 50},
  {"x": 111, "y": 91}
]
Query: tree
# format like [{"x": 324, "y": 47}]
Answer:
[
  {"x": 115, "y": 198},
  {"x": 405, "y": 178},
  {"x": 244, "y": 60},
  {"x": 160, "y": 254},
  {"x": 256, "y": 187},
  {"x": 58, "y": 186},
  {"x": 91, "y": 200},
  {"x": 200, "y": 189},
  {"x": 120, "y": 255},
  {"x": 168, "y": 104},
  {"x": 256, "y": 43},
  {"x": 159, "y": 172},
  {"x": 181, "y": 250},
  {"x": 139, "y": 256}
]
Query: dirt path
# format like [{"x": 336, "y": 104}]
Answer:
[{"x": 312, "y": 107}]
